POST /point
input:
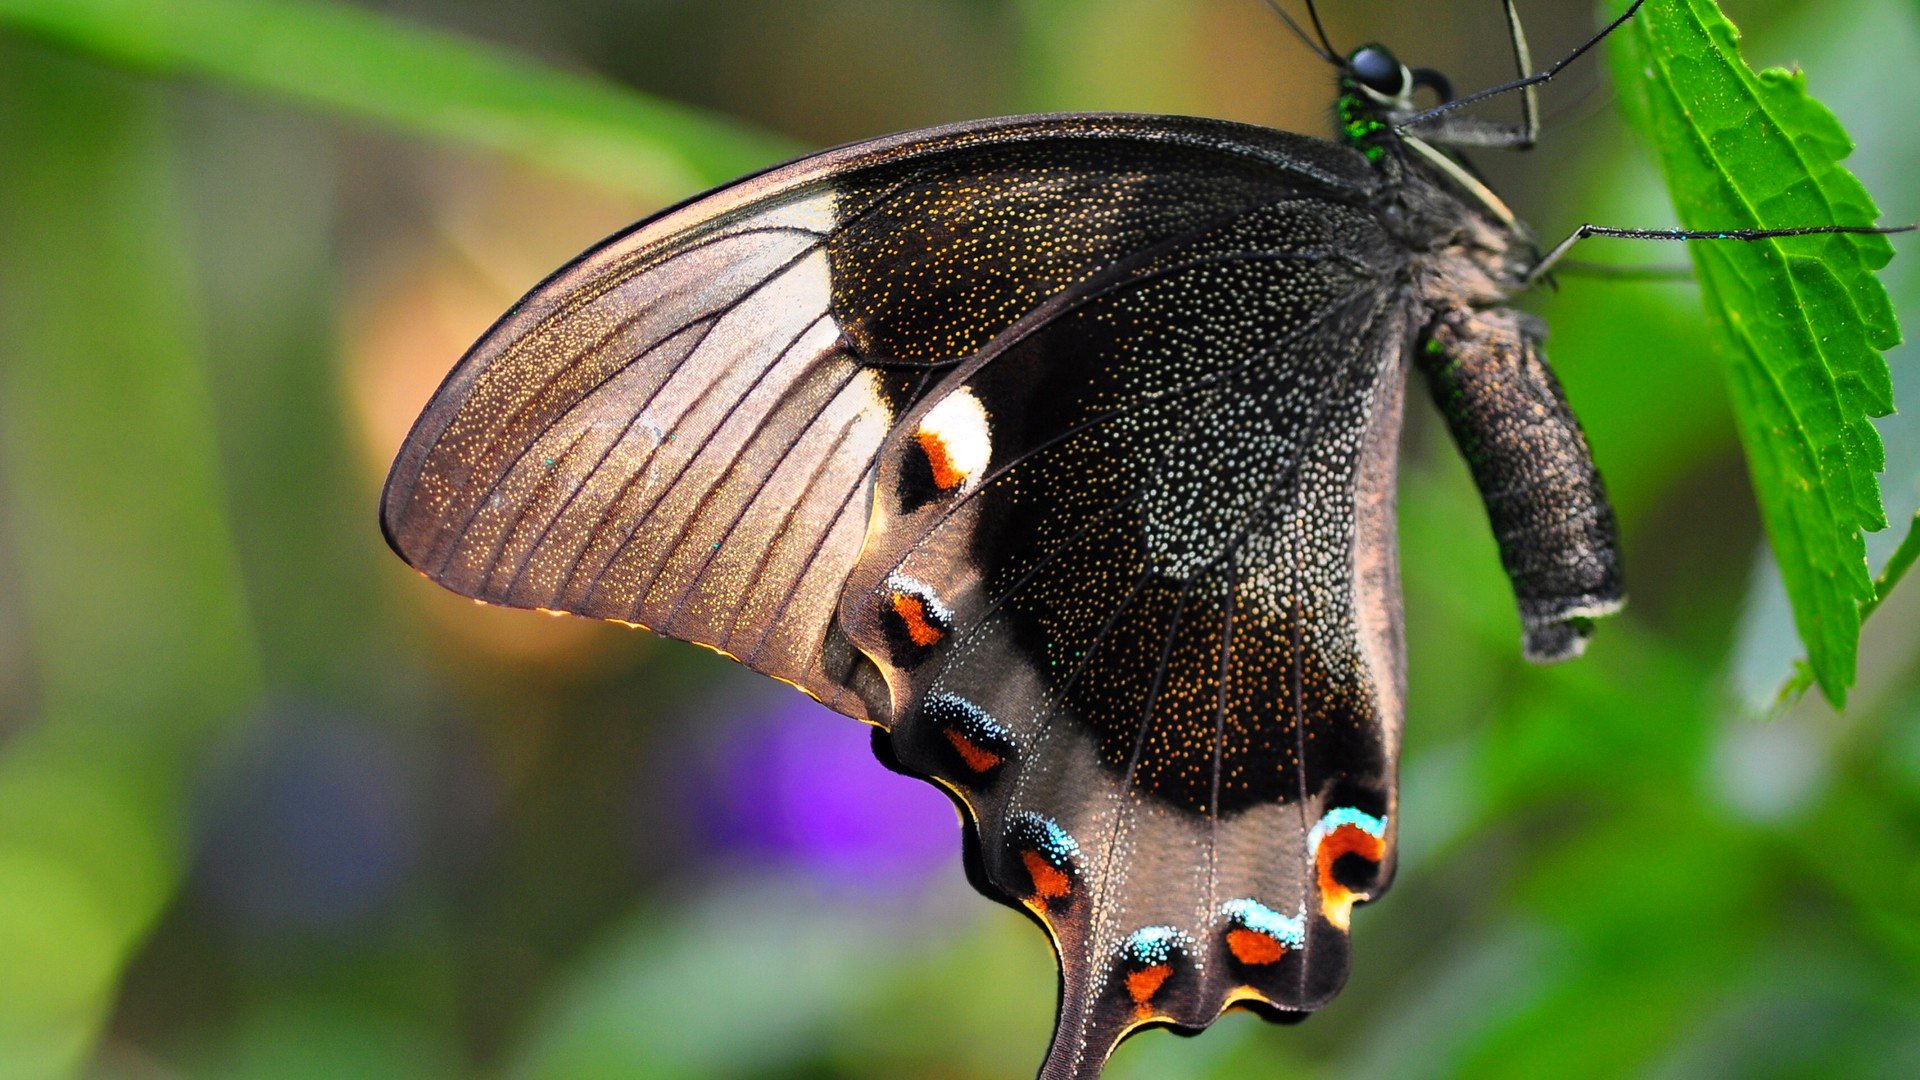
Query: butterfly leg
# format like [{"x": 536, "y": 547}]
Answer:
[
  {"x": 1544, "y": 497},
  {"x": 1458, "y": 131},
  {"x": 1552, "y": 258}
]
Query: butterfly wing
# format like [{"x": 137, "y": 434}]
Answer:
[
  {"x": 680, "y": 429},
  {"x": 1130, "y": 582},
  {"x": 1084, "y": 426}
]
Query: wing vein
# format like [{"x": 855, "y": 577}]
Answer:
[
  {"x": 456, "y": 536},
  {"x": 670, "y": 483},
  {"x": 786, "y": 523},
  {"x": 753, "y": 493},
  {"x": 813, "y": 556},
  {"x": 1219, "y": 741},
  {"x": 520, "y": 516}
]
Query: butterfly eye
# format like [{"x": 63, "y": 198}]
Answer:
[{"x": 1373, "y": 67}]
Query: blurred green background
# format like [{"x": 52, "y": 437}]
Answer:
[{"x": 273, "y": 806}]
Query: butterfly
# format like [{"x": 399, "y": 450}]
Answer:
[{"x": 1062, "y": 450}]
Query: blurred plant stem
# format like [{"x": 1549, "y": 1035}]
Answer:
[
  {"x": 359, "y": 63},
  {"x": 132, "y": 599},
  {"x": 1896, "y": 569}
]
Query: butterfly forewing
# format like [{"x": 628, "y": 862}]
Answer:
[
  {"x": 667, "y": 433},
  {"x": 679, "y": 429}
]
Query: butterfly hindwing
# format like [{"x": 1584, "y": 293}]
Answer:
[{"x": 1130, "y": 581}]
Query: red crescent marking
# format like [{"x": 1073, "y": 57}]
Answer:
[
  {"x": 1254, "y": 947},
  {"x": 1346, "y": 840},
  {"x": 977, "y": 759},
  {"x": 1145, "y": 983},
  {"x": 1049, "y": 882},
  {"x": 913, "y": 612}
]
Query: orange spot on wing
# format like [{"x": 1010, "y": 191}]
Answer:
[
  {"x": 977, "y": 759},
  {"x": 1049, "y": 882},
  {"x": 1337, "y": 900},
  {"x": 1346, "y": 840},
  {"x": 1145, "y": 983},
  {"x": 1254, "y": 947},
  {"x": 945, "y": 475},
  {"x": 913, "y": 612}
]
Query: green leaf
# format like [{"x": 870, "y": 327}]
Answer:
[
  {"x": 377, "y": 67},
  {"x": 1800, "y": 322}
]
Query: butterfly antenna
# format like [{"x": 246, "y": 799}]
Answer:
[
  {"x": 1323, "y": 54},
  {"x": 1525, "y": 83},
  {"x": 1313, "y": 12}
]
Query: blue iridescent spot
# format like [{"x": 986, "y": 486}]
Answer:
[
  {"x": 969, "y": 719},
  {"x": 1289, "y": 930},
  {"x": 1346, "y": 815},
  {"x": 1035, "y": 832},
  {"x": 1152, "y": 946}
]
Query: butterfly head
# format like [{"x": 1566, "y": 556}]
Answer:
[
  {"x": 1376, "y": 92},
  {"x": 1374, "y": 86},
  {"x": 1374, "y": 71}
]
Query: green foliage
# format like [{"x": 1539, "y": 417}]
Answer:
[
  {"x": 142, "y": 648},
  {"x": 1801, "y": 322},
  {"x": 1898, "y": 564},
  {"x": 361, "y": 64}
]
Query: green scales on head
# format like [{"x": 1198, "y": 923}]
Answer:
[{"x": 1372, "y": 85}]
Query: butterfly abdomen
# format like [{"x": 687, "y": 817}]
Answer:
[{"x": 1543, "y": 494}]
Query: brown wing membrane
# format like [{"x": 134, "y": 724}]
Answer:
[
  {"x": 679, "y": 430},
  {"x": 668, "y": 433}
]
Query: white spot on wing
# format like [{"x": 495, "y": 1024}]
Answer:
[
  {"x": 876, "y": 392},
  {"x": 957, "y": 438}
]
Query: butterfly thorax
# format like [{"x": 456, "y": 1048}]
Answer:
[
  {"x": 1470, "y": 250},
  {"x": 1463, "y": 256}
]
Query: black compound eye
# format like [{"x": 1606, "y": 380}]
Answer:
[{"x": 1378, "y": 70}]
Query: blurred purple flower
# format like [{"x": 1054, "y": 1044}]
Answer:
[{"x": 795, "y": 784}]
